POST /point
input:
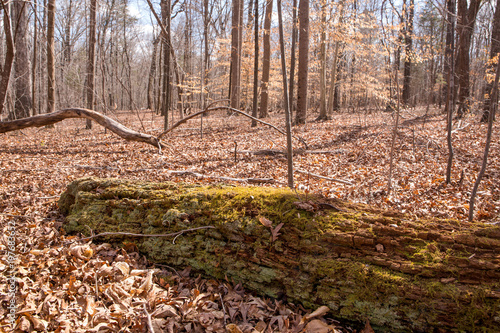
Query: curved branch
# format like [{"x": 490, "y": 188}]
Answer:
[
  {"x": 55, "y": 117},
  {"x": 182, "y": 121}
]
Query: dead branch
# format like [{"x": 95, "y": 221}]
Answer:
[
  {"x": 140, "y": 235},
  {"x": 55, "y": 117},
  {"x": 239, "y": 180},
  {"x": 210, "y": 109},
  {"x": 323, "y": 177}
]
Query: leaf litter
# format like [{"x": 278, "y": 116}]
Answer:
[{"x": 92, "y": 287}]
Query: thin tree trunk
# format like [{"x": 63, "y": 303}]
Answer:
[
  {"x": 450, "y": 46},
  {"x": 255, "y": 105},
  {"x": 266, "y": 61},
  {"x": 322, "y": 75},
  {"x": 91, "y": 59},
  {"x": 295, "y": 32},
  {"x": 6, "y": 69},
  {"x": 22, "y": 78},
  {"x": 152, "y": 74},
  {"x": 491, "y": 116},
  {"x": 408, "y": 13},
  {"x": 34, "y": 61},
  {"x": 165, "y": 14},
  {"x": 51, "y": 70},
  {"x": 303, "y": 70},
  {"x": 288, "y": 119},
  {"x": 234, "y": 89}
]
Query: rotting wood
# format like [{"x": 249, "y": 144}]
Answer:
[
  {"x": 399, "y": 273},
  {"x": 105, "y": 121}
]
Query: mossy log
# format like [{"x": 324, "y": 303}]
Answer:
[{"x": 401, "y": 274}]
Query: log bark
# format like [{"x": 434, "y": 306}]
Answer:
[
  {"x": 55, "y": 117},
  {"x": 399, "y": 273}
]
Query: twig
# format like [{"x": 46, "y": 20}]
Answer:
[
  {"x": 323, "y": 177},
  {"x": 118, "y": 233},
  {"x": 150, "y": 322}
]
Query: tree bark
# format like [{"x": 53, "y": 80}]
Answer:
[
  {"x": 152, "y": 74},
  {"x": 23, "y": 103},
  {"x": 295, "y": 32},
  {"x": 322, "y": 75},
  {"x": 303, "y": 70},
  {"x": 234, "y": 87},
  {"x": 466, "y": 20},
  {"x": 6, "y": 69},
  {"x": 408, "y": 12},
  {"x": 365, "y": 264},
  {"x": 55, "y": 117},
  {"x": 165, "y": 15},
  {"x": 494, "y": 51},
  {"x": 255, "y": 104},
  {"x": 266, "y": 61},
  {"x": 51, "y": 68},
  {"x": 91, "y": 59},
  {"x": 450, "y": 47}
]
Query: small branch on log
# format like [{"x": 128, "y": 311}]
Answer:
[
  {"x": 239, "y": 180},
  {"x": 323, "y": 177},
  {"x": 105, "y": 121},
  {"x": 173, "y": 234},
  {"x": 210, "y": 109}
]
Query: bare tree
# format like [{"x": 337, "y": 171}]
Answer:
[
  {"x": 266, "y": 61},
  {"x": 322, "y": 74},
  {"x": 22, "y": 79},
  {"x": 295, "y": 32},
  {"x": 450, "y": 46},
  {"x": 466, "y": 20},
  {"x": 494, "y": 51},
  {"x": 6, "y": 69},
  {"x": 91, "y": 59},
  {"x": 165, "y": 15},
  {"x": 303, "y": 70},
  {"x": 234, "y": 86},
  {"x": 255, "y": 106},
  {"x": 51, "y": 68},
  {"x": 408, "y": 13}
]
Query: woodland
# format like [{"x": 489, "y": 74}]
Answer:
[{"x": 249, "y": 166}]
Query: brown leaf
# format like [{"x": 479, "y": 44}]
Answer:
[{"x": 265, "y": 222}]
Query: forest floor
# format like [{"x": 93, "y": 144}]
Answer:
[{"x": 57, "y": 281}]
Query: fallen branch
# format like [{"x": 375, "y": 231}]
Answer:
[
  {"x": 118, "y": 233},
  {"x": 217, "y": 108},
  {"x": 55, "y": 117},
  {"x": 150, "y": 322},
  {"x": 239, "y": 180},
  {"x": 323, "y": 177},
  {"x": 272, "y": 152}
]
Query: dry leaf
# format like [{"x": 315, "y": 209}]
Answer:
[
  {"x": 265, "y": 222},
  {"x": 316, "y": 313},
  {"x": 318, "y": 326}
]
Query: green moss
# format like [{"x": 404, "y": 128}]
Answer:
[{"x": 315, "y": 260}]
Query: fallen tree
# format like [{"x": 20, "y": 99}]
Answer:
[
  {"x": 105, "y": 121},
  {"x": 399, "y": 273}
]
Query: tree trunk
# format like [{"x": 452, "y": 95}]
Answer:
[
  {"x": 365, "y": 264},
  {"x": 91, "y": 59},
  {"x": 303, "y": 70},
  {"x": 165, "y": 14},
  {"x": 466, "y": 20},
  {"x": 450, "y": 46},
  {"x": 6, "y": 69},
  {"x": 494, "y": 51},
  {"x": 408, "y": 12},
  {"x": 266, "y": 61},
  {"x": 322, "y": 75},
  {"x": 51, "y": 68},
  {"x": 255, "y": 104},
  {"x": 22, "y": 79},
  {"x": 152, "y": 74},
  {"x": 234, "y": 94},
  {"x": 295, "y": 32}
]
